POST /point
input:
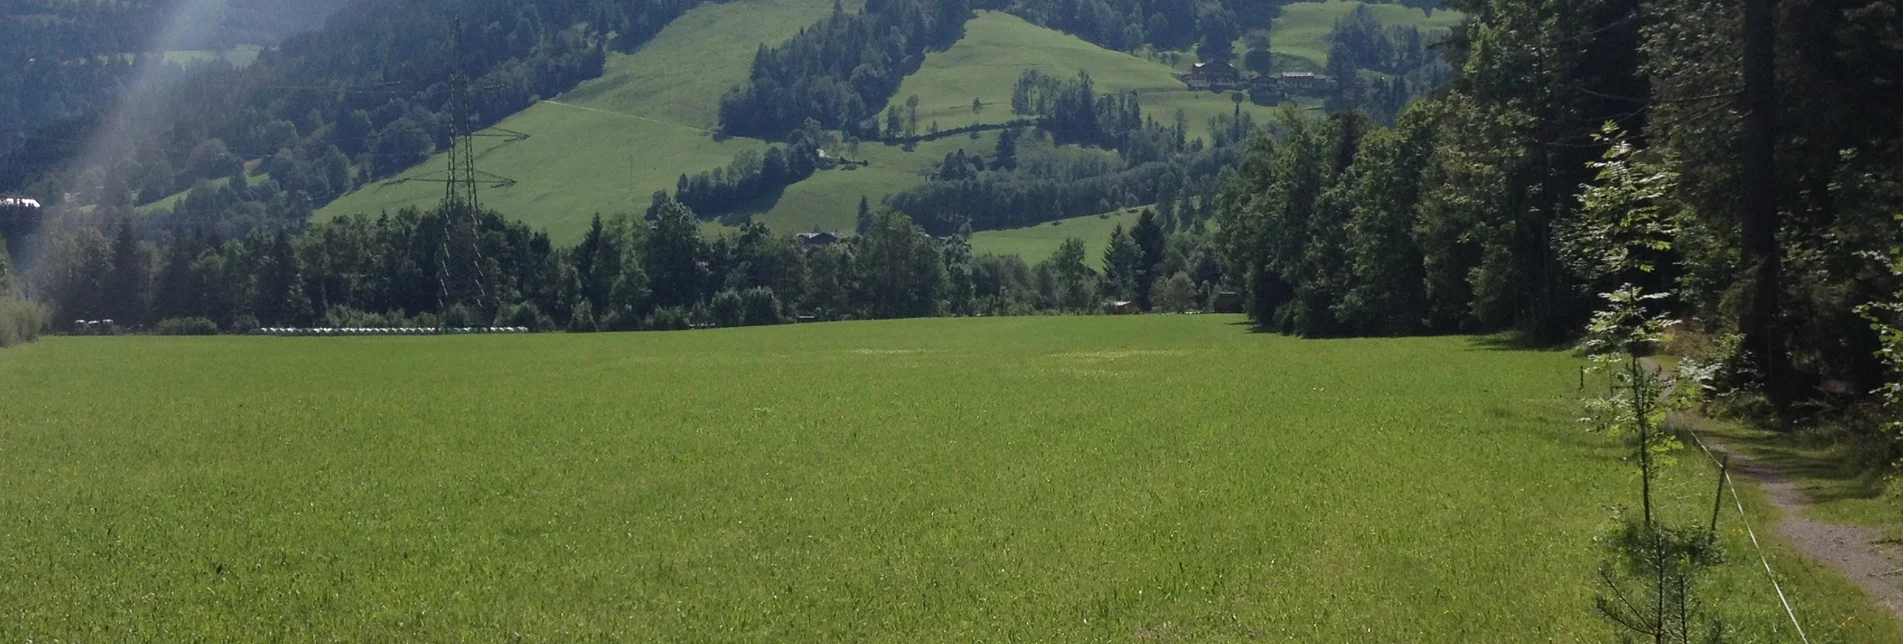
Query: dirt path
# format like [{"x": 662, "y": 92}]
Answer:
[{"x": 1854, "y": 551}]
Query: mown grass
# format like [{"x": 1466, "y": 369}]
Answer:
[
  {"x": 1036, "y": 243},
  {"x": 1032, "y": 479},
  {"x": 999, "y": 47}
]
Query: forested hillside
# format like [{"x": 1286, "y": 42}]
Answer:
[
  {"x": 1743, "y": 167},
  {"x": 61, "y": 59},
  {"x": 360, "y": 99}
]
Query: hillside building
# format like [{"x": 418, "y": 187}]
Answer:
[{"x": 1215, "y": 75}]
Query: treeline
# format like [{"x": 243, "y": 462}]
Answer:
[
  {"x": 750, "y": 176},
  {"x": 461, "y": 268},
  {"x": 66, "y": 60},
  {"x": 842, "y": 71},
  {"x": 1073, "y": 112},
  {"x": 370, "y": 89},
  {"x": 1380, "y": 69},
  {"x": 1125, "y": 160},
  {"x": 1468, "y": 214},
  {"x": 1126, "y": 25}
]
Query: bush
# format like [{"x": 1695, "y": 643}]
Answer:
[
  {"x": 348, "y": 318},
  {"x": 523, "y": 315},
  {"x": 760, "y": 307},
  {"x": 672, "y": 318},
  {"x": 459, "y": 316},
  {"x": 20, "y": 322},
  {"x": 727, "y": 309},
  {"x": 244, "y": 324},
  {"x": 187, "y": 326},
  {"x": 583, "y": 321}
]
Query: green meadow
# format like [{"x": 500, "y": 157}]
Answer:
[
  {"x": 608, "y": 145},
  {"x": 1036, "y": 243},
  {"x": 1303, "y": 29},
  {"x": 957, "y": 480}
]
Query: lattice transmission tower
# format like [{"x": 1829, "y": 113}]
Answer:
[{"x": 462, "y": 271}]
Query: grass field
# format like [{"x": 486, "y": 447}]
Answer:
[
  {"x": 1030, "y": 479},
  {"x": 998, "y": 47},
  {"x": 1303, "y": 29},
  {"x": 1036, "y": 243}
]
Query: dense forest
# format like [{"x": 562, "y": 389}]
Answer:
[
  {"x": 456, "y": 267},
  {"x": 64, "y": 60},
  {"x": 326, "y": 111},
  {"x": 1757, "y": 155},
  {"x": 842, "y": 71}
]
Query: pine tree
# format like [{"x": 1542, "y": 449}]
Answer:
[
  {"x": 1121, "y": 262},
  {"x": 7, "y": 288},
  {"x": 125, "y": 289},
  {"x": 1150, "y": 241},
  {"x": 864, "y": 221}
]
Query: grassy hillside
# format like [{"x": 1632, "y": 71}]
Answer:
[
  {"x": 1171, "y": 478},
  {"x": 999, "y": 47},
  {"x": 239, "y": 56},
  {"x": 606, "y": 146},
  {"x": 1303, "y": 28},
  {"x": 1036, "y": 243},
  {"x": 830, "y": 200},
  {"x": 609, "y": 144}
]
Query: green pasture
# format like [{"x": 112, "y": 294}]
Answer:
[
  {"x": 957, "y": 480},
  {"x": 999, "y": 47},
  {"x": 1036, "y": 243},
  {"x": 1303, "y": 29},
  {"x": 608, "y": 145}
]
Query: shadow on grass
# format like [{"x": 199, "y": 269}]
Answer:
[
  {"x": 1514, "y": 341},
  {"x": 1830, "y": 466}
]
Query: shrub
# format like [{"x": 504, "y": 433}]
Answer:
[
  {"x": 1176, "y": 294},
  {"x": 244, "y": 324},
  {"x": 583, "y": 321},
  {"x": 727, "y": 309},
  {"x": 187, "y": 326},
  {"x": 524, "y": 315},
  {"x": 760, "y": 307},
  {"x": 20, "y": 322},
  {"x": 459, "y": 316},
  {"x": 672, "y": 318},
  {"x": 348, "y": 318}
]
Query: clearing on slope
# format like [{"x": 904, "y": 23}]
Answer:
[
  {"x": 609, "y": 144},
  {"x": 999, "y": 47},
  {"x": 1034, "y": 244},
  {"x": 1304, "y": 29}
]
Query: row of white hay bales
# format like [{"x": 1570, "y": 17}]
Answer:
[{"x": 343, "y": 331}]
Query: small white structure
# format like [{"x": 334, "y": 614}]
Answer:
[{"x": 18, "y": 202}]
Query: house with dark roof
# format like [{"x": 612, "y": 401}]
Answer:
[{"x": 1212, "y": 75}]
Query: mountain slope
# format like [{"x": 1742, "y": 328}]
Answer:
[
  {"x": 607, "y": 145},
  {"x": 610, "y": 143}
]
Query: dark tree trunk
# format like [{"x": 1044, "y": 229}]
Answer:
[{"x": 1757, "y": 206}]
